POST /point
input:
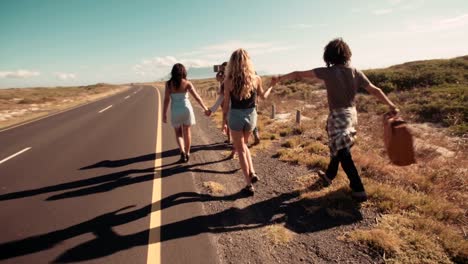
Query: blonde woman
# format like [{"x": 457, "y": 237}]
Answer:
[{"x": 241, "y": 88}]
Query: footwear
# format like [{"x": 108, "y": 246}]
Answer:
[
  {"x": 187, "y": 157},
  {"x": 325, "y": 180},
  {"x": 359, "y": 196},
  {"x": 256, "y": 142},
  {"x": 249, "y": 190},
  {"x": 182, "y": 157},
  {"x": 254, "y": 177}
]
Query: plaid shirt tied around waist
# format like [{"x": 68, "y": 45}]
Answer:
[{"x": 341, "y": 130}]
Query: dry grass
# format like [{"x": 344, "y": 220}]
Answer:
[
  {"x": 429, "y": 197},
  {"x": 214, "y": 187},
  {"x": 380, "y": 240},
  {"x": 278, "y": 234},
  {"x": 413, "y": 239},
  {"x": 20, "y": 105},
  {"x": 423, "y": 207}
]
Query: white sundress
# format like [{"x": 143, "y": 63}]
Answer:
[{"x": 181, "y": 110}]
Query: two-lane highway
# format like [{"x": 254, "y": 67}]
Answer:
[
  {"x": 77, "y": 169},
  {"x": 88, "y": 185}
]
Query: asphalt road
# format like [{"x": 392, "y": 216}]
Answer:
[{"x": 78, "y": 187}]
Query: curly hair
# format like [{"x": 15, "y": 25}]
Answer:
[
  {"x": 241, "y": 72},
  {"x": 337, "y": 52},
  {"x": 178, "y": 73}
]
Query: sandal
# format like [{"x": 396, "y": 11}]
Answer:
[
  {"x": 182, "y": 158},
  {"x": 325, "y": 180},
  {"x": 249, "y": 190},
  {"x": 254, "y": 177}
]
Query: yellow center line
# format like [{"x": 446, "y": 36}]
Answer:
[{"x": 154, "y": 247}]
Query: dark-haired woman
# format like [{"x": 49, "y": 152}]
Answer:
[
  {"x": 341, "y": 81},
  {"x": 182, "y": 117}
]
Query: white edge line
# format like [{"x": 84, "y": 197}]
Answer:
[
  {"x": 14, "y": 155},
  {"x": 105, "y": 109},
  {"x": 60, "y": 112},
  {"x": 154, "y": 243}
]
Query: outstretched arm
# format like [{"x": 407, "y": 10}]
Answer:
[
  {"x": 197, "y": 97},
  {"x": 167, "y": 98},
  {"x": 227, "y": 100},
  {"x": 295, "y": 75},
  {"x": 261, "y": 93},
  {"x": 377, "y": 92}
]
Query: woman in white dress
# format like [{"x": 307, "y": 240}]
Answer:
[{"x": 182, "y": 117}]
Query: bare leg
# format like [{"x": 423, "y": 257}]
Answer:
[
  {"x": 249, "y": 157},
  {"x": 187, "y": 138},
  {"x": 241, "y": 148},
  {"x": 180, "y": 140}
]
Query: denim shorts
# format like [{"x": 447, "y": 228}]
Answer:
[{"x": 242, "y": 119}]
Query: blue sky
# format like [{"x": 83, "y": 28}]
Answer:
[{"x": 61, "y": 43}]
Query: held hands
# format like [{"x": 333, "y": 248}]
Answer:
[
  {"x": 394, "y": 110},
  {"x": 224, "y": 126},
  {"x": 208, "y": 112}
]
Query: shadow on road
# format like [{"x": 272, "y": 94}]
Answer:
[
  {"x": 108, "y": 182},
  {"x": 151, "y": 156},
  {"x": 298, "y": 214}
]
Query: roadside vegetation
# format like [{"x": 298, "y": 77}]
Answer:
[
  {"x": 421, "y": 209},
  {"x": 22, "y": 104}
]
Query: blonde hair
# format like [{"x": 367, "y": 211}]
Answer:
[{"x": 242, "y": 74}]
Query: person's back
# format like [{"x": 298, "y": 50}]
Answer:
[
  {"x": 342, "y": 83},
  {"x": 180, "y": 104},
  {"x": 246, "y": 103},
  {"x": 180, "y": 92}
]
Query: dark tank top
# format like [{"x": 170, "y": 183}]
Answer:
[{"x": 246, "y": 103}]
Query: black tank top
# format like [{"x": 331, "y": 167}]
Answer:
[{"x": 246, "y": 103}]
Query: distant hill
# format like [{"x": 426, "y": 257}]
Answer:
[
  {"x": 425, "y": 73},
  {"x": 201, "y": 73},
  {"x": 430, "y": 91}
]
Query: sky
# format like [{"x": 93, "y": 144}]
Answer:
[{"x": 80, "y": 42}]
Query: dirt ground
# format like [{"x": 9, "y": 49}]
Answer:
[{"x": 275, "y": 225}]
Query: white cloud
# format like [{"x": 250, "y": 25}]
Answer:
[
  {"x": 379, "y": 12},
  {"x": 19, "y": 74},
  {"x": 205, "y": 56},
  {"x": 445, "y": 24},
  {"x": 65, "y": 76},
  {"x": 158, "y": 65}
]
